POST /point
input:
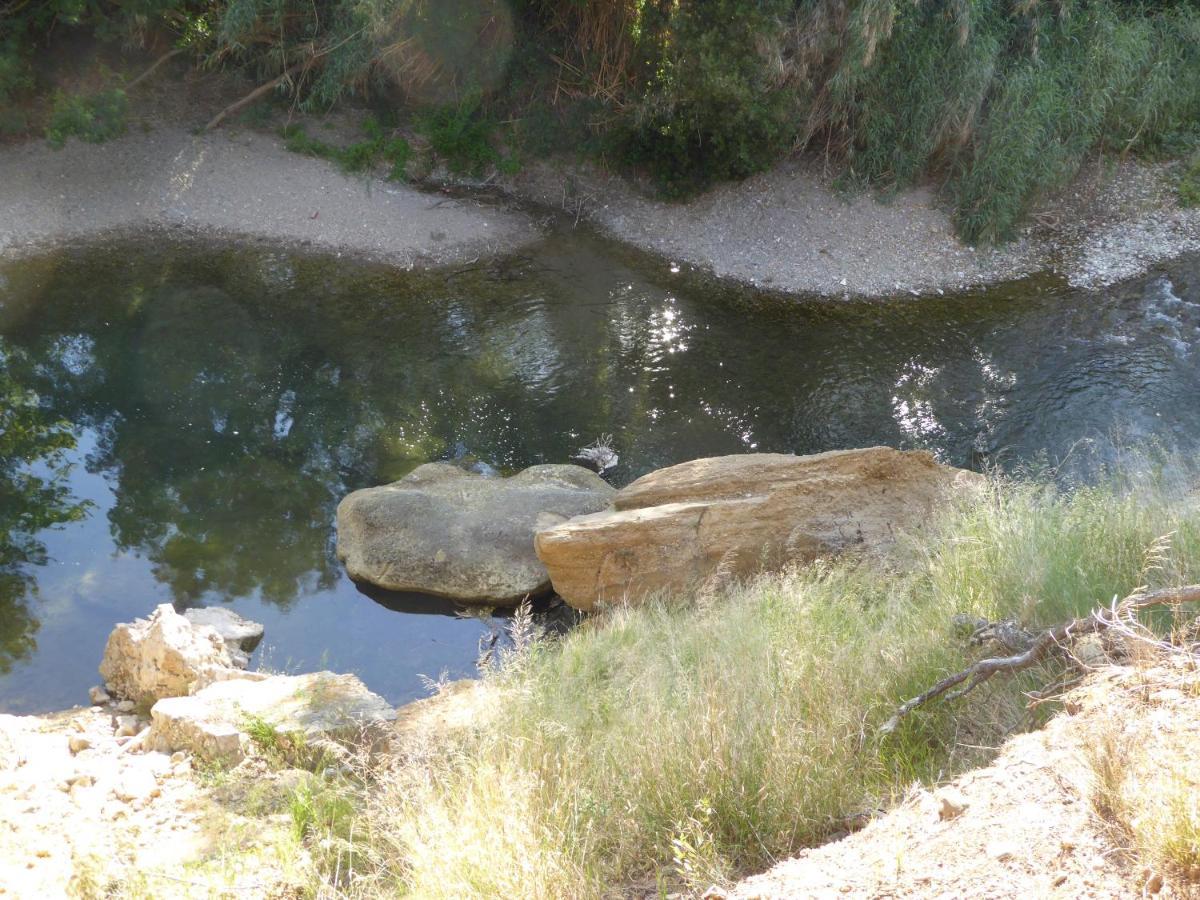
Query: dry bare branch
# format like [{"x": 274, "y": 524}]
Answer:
[
  {"x": 1049, "y": 643},
  {"x": 170, "y": 54}
]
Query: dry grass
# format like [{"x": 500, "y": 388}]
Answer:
[
  {"x": 682, "y": 744},
  {"x": 1146, "y": 776}
]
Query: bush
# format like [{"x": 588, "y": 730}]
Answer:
[
  {"x": 94, "y": 118},
  {"x": 461, "y": 133},
  {"x": 714, "y": 110},
  {"x": 693, "y": 742}
]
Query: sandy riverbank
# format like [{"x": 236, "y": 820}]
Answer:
[
  {"x": 790, "y": 229},
  {"x": 236, "y": 183}
]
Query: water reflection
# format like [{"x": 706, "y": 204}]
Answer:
[
  {"x": 223, "y": 402},
  {"x": 34, "y": 497}
]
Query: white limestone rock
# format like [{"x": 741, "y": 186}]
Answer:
[
  {"x": 162, "y": 656},
  {"x": 300, "y": 709}
]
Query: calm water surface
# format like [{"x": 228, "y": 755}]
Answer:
[{"x": 189, "y": 416}]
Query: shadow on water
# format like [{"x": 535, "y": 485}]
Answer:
[{"x": 203, "y": 409}]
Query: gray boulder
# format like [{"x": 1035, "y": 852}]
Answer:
[{"x": 444, "y": 531}]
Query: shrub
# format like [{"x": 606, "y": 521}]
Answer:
[
  {"x": 460, "y": 133},
  {"x": 94, "y": 118},
  {"x": 714, "y": 109}
]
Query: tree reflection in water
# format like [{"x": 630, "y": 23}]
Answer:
[{"x": 33, "y": 497}]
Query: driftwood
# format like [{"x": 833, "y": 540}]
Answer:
[
  {"x": 170, "y": 54},
  {"x": 256, "y": 93},
  {"x": 1049, "y": 643},
  {"x": 317, "y": 58}
]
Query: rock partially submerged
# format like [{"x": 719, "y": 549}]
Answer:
[
  {"x": 163, "y": 656},
  {"x": 240, "y": 635},
  {"x": 296, "y": 710},
  {"x": 672, "y": 529},
  {"x": 444, "y": 531}
]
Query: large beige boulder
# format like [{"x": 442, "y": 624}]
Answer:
[
  {"x": 670, "y": 530},
  {"x": 445, "y": 531},
  {"x": 162, "y": 656},
  {"x": 290, "y": 712}
]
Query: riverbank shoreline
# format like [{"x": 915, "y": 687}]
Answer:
[
  {"x": 236, "y": 185},
  {"x": 789, "y": 230},
  {"x": 792, "y": 230}
]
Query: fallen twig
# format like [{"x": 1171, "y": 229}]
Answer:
[
  {"x": 256, "y": 93},
  {"x": 1048, "y": 643},
  {"x": 170, "y": 54}
]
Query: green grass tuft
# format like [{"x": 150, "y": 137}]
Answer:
[
  {"x": 1189, "y": 183},
  {"x": 362, "y": 156}
]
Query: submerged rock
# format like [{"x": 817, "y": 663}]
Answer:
[
  {"x": 442, "y": 530},
  {"x": 672, "y": 529},
  {"x": 241, "y": 635},
  {"x": 292, "y": 711},
  {"x": 162, "y": 656}
]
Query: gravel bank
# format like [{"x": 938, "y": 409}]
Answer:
[
  {"x": 788, "y": 229},
  {"x": 235, "y": 184}
]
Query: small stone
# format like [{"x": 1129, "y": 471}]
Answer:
[
  {"x": 78, "y": 725},
  {"x": 1000, "y": 850},
  {"x": 77, "y": 743},
  {"x": 136, "y": 785},
  {"x": 952, "y": 804},
  {"x": 127, "y": 726},
  {"x": 98, "y": 695},
  {"x": 177, "y": 757},
  {"x": 1154, "y": 883},
  {"x": 126, "y": 706}
]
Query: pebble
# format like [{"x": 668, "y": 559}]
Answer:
[
  {"x": 127, "y": 726},
  {"x": 98, "y": 695},
  {"x": 136, "y": 785},
  {"x": 126, "y": 706},
  {"x": 952, "y": 804},
  {"x": 77, "y": 743}
]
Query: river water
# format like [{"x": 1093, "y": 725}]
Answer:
[{"x": 180, "y": 420}]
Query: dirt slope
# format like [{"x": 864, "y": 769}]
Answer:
[{"x": 1026, "y": 826}]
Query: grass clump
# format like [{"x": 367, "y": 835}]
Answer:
[
  {"x": 375, "y": 149},
  {"x": 1147, "y": 790},
  {"x": 688, "y": 744},
  {"x": 1189, "y": 182},
  {"x": 93, "y": 118}
]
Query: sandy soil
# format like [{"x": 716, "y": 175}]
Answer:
[
  {"x": 85, "y": 812},
  {"x": 789, "y": 229},
  {"x": 235, "y": 183},
  {"x": 1024, "y": 826}
]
